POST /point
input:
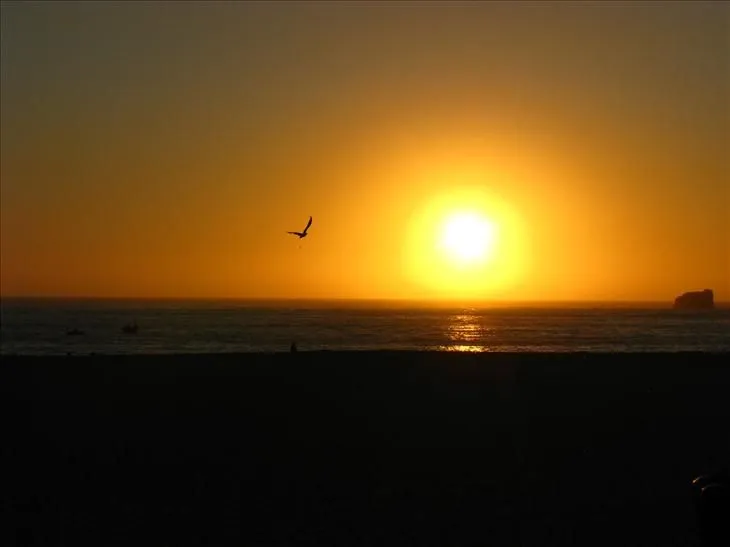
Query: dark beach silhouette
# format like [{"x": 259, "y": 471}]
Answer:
[
  {"x": 363, "y": 448},
  {"x": 712, "y": 504},
  {"x": 130, "y": 328}
]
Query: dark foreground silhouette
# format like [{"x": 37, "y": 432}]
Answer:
[
  {"x": 360, "y": 449},
  {"x": 695, "y": 300},
  {"x": 712, "y": 502},
  {"x": 130, "y": 328},
  {"x": 303, "y": 233}
]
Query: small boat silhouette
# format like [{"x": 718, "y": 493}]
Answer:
[{"x": 130, "y": 328}]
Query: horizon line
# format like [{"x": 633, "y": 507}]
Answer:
[{"x": 273, "y": 299}]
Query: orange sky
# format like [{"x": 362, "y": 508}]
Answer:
[{"x": 164, "y": 149}]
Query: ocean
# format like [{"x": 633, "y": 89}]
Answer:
[{"x": 40, "y": 327}]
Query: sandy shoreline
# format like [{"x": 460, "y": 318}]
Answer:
[{"x": 361, "y": 448}]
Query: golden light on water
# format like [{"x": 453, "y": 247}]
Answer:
[
  {"x": 466, "y": 334},
  {"x": 464, "y": 349}
]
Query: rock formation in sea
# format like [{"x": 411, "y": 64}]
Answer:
[{"x": 695, "y": 300}]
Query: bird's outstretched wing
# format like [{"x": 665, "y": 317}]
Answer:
[
  {"x": 308, "y": 225},
  {"x": 295, "y": 233}
]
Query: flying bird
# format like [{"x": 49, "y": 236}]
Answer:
[{"x": 303, "y": 233}]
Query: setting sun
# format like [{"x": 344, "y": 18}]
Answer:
[
  {"x": 466, "y": 242},
  {"x": 468, "y": 238}
]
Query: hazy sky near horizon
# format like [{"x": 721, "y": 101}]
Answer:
[{"x": 164, "y": 148}]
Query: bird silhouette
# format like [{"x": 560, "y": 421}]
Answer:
[{"x": 303, "y": 233}]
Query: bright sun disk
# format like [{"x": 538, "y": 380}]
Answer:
[{"x": 467, "y": 238}]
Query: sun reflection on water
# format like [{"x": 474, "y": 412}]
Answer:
[
  {"x": 462, "y": 348},
  {"x": 466, "y": 334}
]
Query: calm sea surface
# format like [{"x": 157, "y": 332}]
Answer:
[{"x": 41, "y": 326}]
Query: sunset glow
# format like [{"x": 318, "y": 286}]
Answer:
[
  {"x": 467, "y": 243},
  {"x": 517, "y": 151}
]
